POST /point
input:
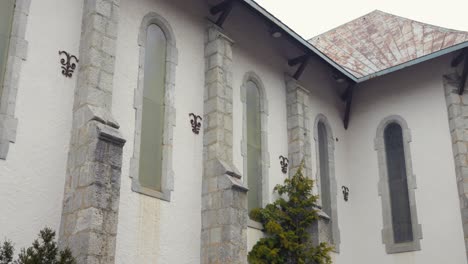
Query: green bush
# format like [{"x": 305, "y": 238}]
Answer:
[
  {"x": 286, "y": 222},
  {"x": 44, "y": 250}
]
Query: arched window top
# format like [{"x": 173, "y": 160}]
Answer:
[
  {"x": 322, "y": 119},
  {"x": 396, "y": 120},
  {"x": 252, "y": 80},
  {"x": 155, "y": 19}
]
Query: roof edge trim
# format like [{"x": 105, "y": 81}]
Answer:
[
  {"x": 415, "y": 61},
  {"x": 267, "y": 15}
]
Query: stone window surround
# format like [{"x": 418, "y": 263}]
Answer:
[
  {"x": 17, "y": 53},
  {"x": 387, "y": 231},
  {"x": 252, "y": 76},
  {"x": 333, "y": 183},
  {"x": 169, "y": 110}
]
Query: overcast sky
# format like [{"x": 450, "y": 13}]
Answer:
[{"x": 310, "y": 17}]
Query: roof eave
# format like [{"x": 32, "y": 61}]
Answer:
[
  {"x": 414, "y": 62},
  {"x": 265, "y": 14}
]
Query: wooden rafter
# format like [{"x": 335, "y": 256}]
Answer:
[
  {"x": 302, "y": 61},
  {"x": 223, "y": 9},
  {"x": 349, "y": 100}
]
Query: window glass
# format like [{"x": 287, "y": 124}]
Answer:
[
  {"x": 7, "y": 8},
  {"x": 324, "y": 169},
  {"x": 152, "y": 129},
  {"x": 254, "y": 145},
  {"x": 398, "y": 184}
]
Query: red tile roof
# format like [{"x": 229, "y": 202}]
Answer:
[{"x": 379, "y": 41}]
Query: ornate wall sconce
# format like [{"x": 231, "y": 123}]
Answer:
[
  {"x": 284, "y": 162},
  {"x": 68, "y": 66},
  {"x": 345, "y": 192},
  {"x": 195, "y": 122}
]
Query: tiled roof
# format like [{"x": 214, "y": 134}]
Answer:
[{"x": 379, "y": 41}]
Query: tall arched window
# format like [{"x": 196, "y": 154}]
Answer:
[
  {"x": 401, "y": 231},
  {"x": 254, "y": 145},
  {"x": 152, "y": 126},
  {"x": 324, "y": 169},
  {"x": 151, "y": 166},
  {"x": 325, "y": 148},
  {"x": 7, "y": 8},
  {"x": 398, "y": 184}
]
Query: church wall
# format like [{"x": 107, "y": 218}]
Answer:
[
  {"x": 324, "y": 100},
  {"x": 417, "y": 95},
  {"x": 151, "y": 230},
  {"x": 255, "y": 50},
  {"x": 33, "y": 174},
  {"x": 169, "y": 232}
]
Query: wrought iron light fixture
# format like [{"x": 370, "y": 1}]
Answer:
[
  {"x": 195, "y": 122},
  {"x": 284, "y": 162},
  {"x": 68, "y": 66}
]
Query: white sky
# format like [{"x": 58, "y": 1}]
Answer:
[{"x": 311, "y": 17}]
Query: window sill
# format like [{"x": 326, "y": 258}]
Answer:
[
  {"x": 165, "y": 195},
  {"x": 255, "y": 225}
]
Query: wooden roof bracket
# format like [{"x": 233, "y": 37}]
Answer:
[
  {"x": 225, "y": 9},
  {"x": 349, "y": 99},
  {"x": 302, "y": 61},
  {"x": 463, "y": 56}
]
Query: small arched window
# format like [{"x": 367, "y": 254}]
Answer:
[
  {"x": 152, "y": 126},
  {"x": 254, "y": 145},
  {"x": 401, "y": 231},
  {"x": 7, "y": 8},
  {"x": 398, "y": 183}
]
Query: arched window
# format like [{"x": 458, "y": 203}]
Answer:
[
  {"x": 324, "y": 170},
  {"x": 151, "y": 168},
  {"x": 325, "y": 148},
  {"x": 401, "y": 231},
  {"x": 152, "y": 125},
  {"x": 254, "y": 145},
  {"x": 254, "y": 142},
  {"x": 398, "y": 184},
  {"x": 6, "y": 19}
]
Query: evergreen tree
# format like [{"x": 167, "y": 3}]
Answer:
[
  {"x": 6, "y": 252},
  {"x": 44, "y": 250},
  {"x": 287, "y": 222}
]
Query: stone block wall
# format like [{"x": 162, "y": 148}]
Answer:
[
  {"x": 457, "y": 107},
  {"x": 92, "y": 184},
  {"x": 224, "y": 197},
  {"x": 299, "y": 147}
]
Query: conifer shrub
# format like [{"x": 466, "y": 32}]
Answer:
[
  {"x": 44, "y": 250},
  {"x": 287, "y": 223}
]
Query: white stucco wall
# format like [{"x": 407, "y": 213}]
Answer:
[
  {"x": 417, "y": 95},
  {"x": 32, "y": 177},
  {"x": 151, "y": 230}
]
